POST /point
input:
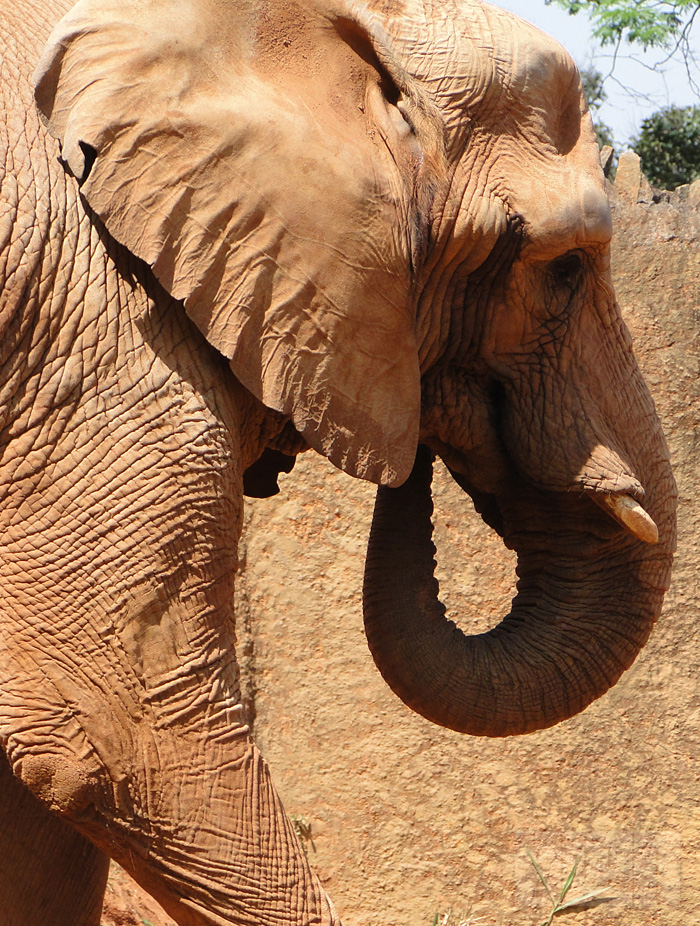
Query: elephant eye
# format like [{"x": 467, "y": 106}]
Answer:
[{"x": 566, "y": 269}]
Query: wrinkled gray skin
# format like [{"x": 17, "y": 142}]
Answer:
[{"x": 295, "y": 227}]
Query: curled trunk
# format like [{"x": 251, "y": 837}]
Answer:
[{"x": 588, "y": 595}]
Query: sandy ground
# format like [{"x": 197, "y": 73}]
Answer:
[{"x": 126, "y": 904}]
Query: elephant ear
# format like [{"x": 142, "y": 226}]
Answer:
[{"x": 260, "y": 160}]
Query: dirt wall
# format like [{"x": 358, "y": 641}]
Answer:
[{"x": 406, "y": 819}]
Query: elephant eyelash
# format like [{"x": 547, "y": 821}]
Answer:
[{"x": 566, "y": 270}]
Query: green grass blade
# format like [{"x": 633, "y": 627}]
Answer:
[
  {"x": 584, "y": 898},
  {"x": 541, "y": 877},
  {"x": 567, "y": 884}
]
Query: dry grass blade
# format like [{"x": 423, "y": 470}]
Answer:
[
  {"x": 450, "y": 918},
  {"x": 559, "y": 908},
  {"x": 592, "y": 897}
]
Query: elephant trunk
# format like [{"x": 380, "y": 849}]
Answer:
[{"x": 588, "y": 595}]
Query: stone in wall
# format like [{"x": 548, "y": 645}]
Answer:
[{"x": 631, "y": 186}]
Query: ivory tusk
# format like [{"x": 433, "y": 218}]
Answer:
[{"x": 629, "y": 513}]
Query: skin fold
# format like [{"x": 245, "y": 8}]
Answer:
[{"x": 231, "y": 232}]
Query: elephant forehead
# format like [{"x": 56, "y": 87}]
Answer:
[
  {"x": 563, "y": 209},
  {"x": 473, "y": 57},
  {"x": 537, "y": 66}
]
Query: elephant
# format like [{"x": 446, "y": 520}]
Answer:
[{"x": 231, "y": 233}]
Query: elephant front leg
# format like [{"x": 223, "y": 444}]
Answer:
[
  {"x": 217, "y": 847},
  {"x": 232, "y": 856},
  {"x": 129, "y": 725},
  {"x": 49, "y": 873},
  {"x": 120, "y": 706}
]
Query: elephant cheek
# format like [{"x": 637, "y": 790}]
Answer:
[
  {"x": 576, "y": 414},
  {"x": 460, "y": 413},
  {"x": 559, "y": 442}
]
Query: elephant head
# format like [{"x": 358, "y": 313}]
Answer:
[{"x": 390, "y": 217}]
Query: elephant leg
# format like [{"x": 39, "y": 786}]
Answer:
[
  {"x": 176, "y": 792},
  {"x": 49, "y": 873},
  {"x": 233, "y": 857},
  {"x": 120, "y": 703}
]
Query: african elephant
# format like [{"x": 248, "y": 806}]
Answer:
[{"x": 234, "y": 231}]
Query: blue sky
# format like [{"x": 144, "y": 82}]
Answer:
[{"x": 636, "y": 90}]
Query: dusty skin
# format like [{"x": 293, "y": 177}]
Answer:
[{"x": 231, "y": 232}]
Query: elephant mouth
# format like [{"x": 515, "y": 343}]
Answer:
[
  {"x": 588, "y": 595},
  {"x": 487, "y": 468},
  {"x": 622, "y": 507}
]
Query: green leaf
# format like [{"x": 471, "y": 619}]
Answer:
[
  {"x": 669, "y": 146},
  {"x": 649, "y": 23}
]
